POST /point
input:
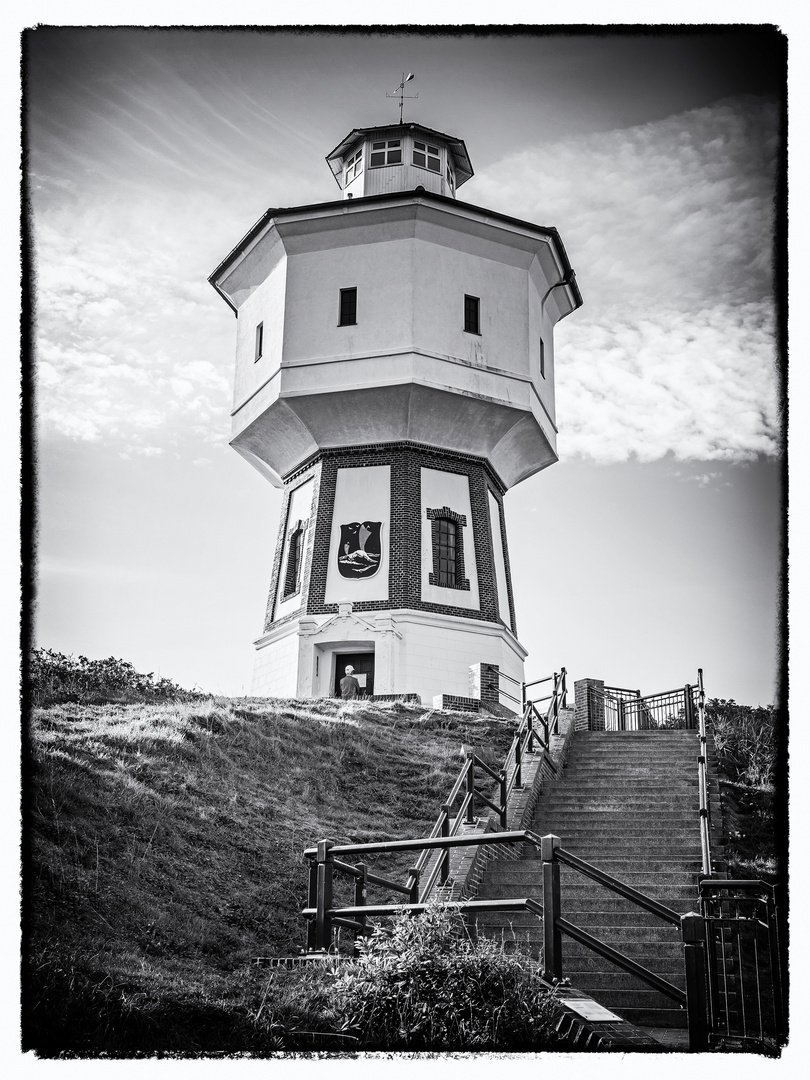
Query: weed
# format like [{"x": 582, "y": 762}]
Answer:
[{"x": 422, "y": 983}]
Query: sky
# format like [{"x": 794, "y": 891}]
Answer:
[{"x": 152, "y": 152}]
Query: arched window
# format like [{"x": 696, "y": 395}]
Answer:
[
  {"x": 292, "y": 577},
  {"x": 448, "y": 548},
  {"x": 447, "y": 552}
]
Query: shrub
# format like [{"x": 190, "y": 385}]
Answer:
[
  {"x": 55, "y": 679},
  {"x": 423, "y": 984},
  {"x": 745, "y": 738}
]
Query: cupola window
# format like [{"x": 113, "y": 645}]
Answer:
[
  {"x": 385, "y": 153},
  {"x": 354, "y": 166},
  {"x": 426, "y": 156}
]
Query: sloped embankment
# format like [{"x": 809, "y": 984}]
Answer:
[{"x": 163, "y": 847}]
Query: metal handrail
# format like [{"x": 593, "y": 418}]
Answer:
[
  {"x": 705, "y": 809},
  {"x": 622, "y": 961},
  {"x": 655, "y": 907}
]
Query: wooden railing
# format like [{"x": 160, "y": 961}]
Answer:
[
  {"x": 533, "y": 735},
  {"x": 466, "y": 797},
  {"x": 322, "y": 916}
]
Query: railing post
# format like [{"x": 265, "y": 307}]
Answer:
[
  {"x": 564, "y": 697},
  {"x": 502, "y": 798},
  {"x": 518, "y": 765},
  {"x": 323, "y": 921},
  {"x": 413, "y": 877},
  {"x": 530, "y": 731},
  {"x": 688, "y": 711},
  {"x": 619, "y": 714},
  {"x": 693, "y": 932},
  {"x": 359, "y": 901},
  {"x": 444, "y": 870},
  {"x": 552, "y": 938},
  {"x": 312, "y": 902},
  {"x": 470, "y": 818}
]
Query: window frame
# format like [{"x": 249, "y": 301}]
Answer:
[
  {"x": 386, "y": 147},
  {"x": 258, "y": 347},
  {"x": 437, "y": 577},
  {"x": 292, "y": 567},
  {"x": 343, "y": 308},
  {"x": 428, "y": 152},
  {"x": 353, "y": 165},
  {"x": 542, "y": 359},
  {"x": 476, "y": 300}
]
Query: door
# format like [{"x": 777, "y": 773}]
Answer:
[{"x": 363, "y": 664}]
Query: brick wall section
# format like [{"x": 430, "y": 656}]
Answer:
[
  {"x": 485, "y": 684},
  {"x": 455, "y": 703},
  {"x": 467, "y": 865},
  {"x": 406, "y": 461},
  {"x": 590, "y": 710}
]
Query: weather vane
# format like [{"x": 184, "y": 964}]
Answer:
[{"x": 400, "y": 92}]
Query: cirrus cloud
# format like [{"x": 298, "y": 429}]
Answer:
[{"x": 669, "y": 225}]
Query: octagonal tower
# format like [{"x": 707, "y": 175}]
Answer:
[{"x": 395, "y": 375}]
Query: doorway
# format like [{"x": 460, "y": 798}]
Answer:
[{"x": 363, "y": 664}]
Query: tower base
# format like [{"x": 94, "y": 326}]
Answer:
[{"x": 402, "y": 652}]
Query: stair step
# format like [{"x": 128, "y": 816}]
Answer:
[
  {"x": 654, "y": 1018},
  {"x": 618, "y": 936},
  {"x": 638, "y": 997},
  {"x": 605, "y": 901},
  {"x": 626, "y": 802},
  {"x": 668, "y": 967},
  {"x": 525, "y": 878}
]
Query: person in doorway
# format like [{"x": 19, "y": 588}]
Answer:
[{"x": 349, "y": 686}]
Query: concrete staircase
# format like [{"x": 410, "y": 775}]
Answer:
[{"x": 626, "y": 802}]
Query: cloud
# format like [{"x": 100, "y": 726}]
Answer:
[
  {"x": 128, "y": 339},
  {"x": 669, "y": 226}
]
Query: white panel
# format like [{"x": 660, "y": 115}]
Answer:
[
  {"x": 361, "y": 494},
  {"x": 300, "y": 508},
  {"x": 504, "y": 607},
  {"x": 275, "y": 673},
  {"x": 435, "y": 652},
  {"x": 452, "y": 490}
]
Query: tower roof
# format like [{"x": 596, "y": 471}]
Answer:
[{"x": 461, "y": 158}]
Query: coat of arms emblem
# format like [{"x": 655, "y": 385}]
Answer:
[{"x": 360, "y": 548}]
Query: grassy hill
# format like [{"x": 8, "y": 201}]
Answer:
[{"x": 163, "y": 846}]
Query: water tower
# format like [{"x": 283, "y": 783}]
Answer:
[{"x": 395, "y": 376}]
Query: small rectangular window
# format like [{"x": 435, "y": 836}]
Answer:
[
  {"x": 385, "y": 153},
  {"x": 354, "y": 166},
  {"x": 542, "y": 359},
  {"x": 259, "y": 342},
  {"x": 472, "y": 323},
  {"x": 426, "y": 157},
  {"x": 348, "y": 307}
]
